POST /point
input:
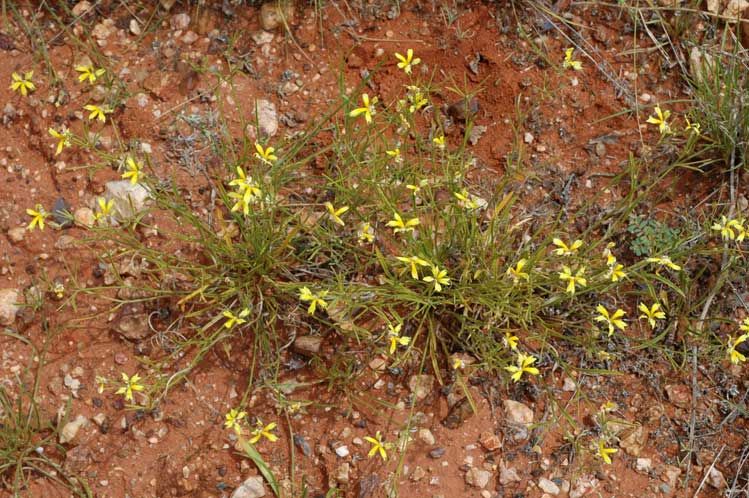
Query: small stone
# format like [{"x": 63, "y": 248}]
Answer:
[
  {"x": 267, "y": 117},
  {"x": 65, "y": 242},
  {"x": 99, "y": 419},
  {"x": 418, "y": 474},
  {"x": 342, "y": 451},
  {"x": 508, "y": 475},
  {"x": 633, "y": 441},
  {"x": 643, "y": 465},
  {"x": 463, "y": 109},
  {"x": 342, "y": 473},
  {"x": 8, "y": 306},
  {"x": 190, "y": 37},
  {"x": 262, "y": 37},
  {"x": 252, "y": 487},
  {"x": 129, "y": 199},
  {"x": 16, "y": 235},
  {"x": 569, "y": 385},
  {"x": 548, "y": 486},
  {"x": 307, "y": 345},
  {"x": 269, "y": 16},
  {"x": 679, "y": 395},
  {"x": 302, "y": 444},
  {"x": 84, "y": 217},
  {"x": 378, "y": 364},
  {"x": 133, "y": 327},
  {"x": 61, "y": 213},
  {"x": 490, "y": 441},
  {"x": 70, "y": 430},
  {"x": 437, "y": 453},
  {"x": 715, "y": 478},
  {"x": 102, "y": 31},
  {"x": 583, "y": 486},
  {"x": 528, "y": 137},
  {"x": 134, "y": 27},
  {"x": 670, "y": 475},
  {"x": 517, "y": 413},
  {"x": 478, "y": 478},
  {"x": 421, "y": 386},
  {"x": 426, "y": 436},
  {"x": 82, "y": 8},
  {"x": 179, "y": 21}
]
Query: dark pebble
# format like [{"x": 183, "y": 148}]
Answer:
[{"x": 437, "y": 453}]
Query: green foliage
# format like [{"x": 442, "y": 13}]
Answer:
[{"x": 651, "y": 237}]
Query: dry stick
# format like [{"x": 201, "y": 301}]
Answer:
[
  {"x": 712, "y": 465},
  {"x": 692, "y": 415},
  {"x": 744, "y": 457}
]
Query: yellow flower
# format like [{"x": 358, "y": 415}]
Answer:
[
  {"x": 740, "y": 229},
  {"x": 573, "y": 280},
  {"x": 262, "y": 431},
  {"x": 63, "y": 139},
  {"x": 510, "y": 341},
  {"x": 265, "y": 155},
  {"x": 335, "y": 214},
  {"x": 314, "y": 300},
  {"x": 458, "y": 364},
  {"x": 233, "y": 419},
  {"x": 130, "y": 384},
  {"x": 417, "y": 188},
  {"x": 38, "y": 216},
  {"x": 563, "y": 249},
  {"x": 613, "y": 320},
  {"x": 233, "y": 320},
  {"x": 439, "y": 142},
  {"x": 89, "y": 73},
  {"x": 604, "y": 355},
  {"x": 377, "y": 446},
  {"x": 604, "y": 453},
  {"x": 610, "y": 258},
  {"x": 693, "y": 128},
  {"x": 58, "y": 288},
  {"x": 438, "y": 278},
  {"x": 524, "y": 365},
  {"x": 408, "y": 61},
  {"x": 608, "y": 407},
  {"x": 105, "y": 208},
  {"x": 22, "y": 84},
  {"x": 726, "y": 228},
  {"x": 396, "y": 339},
  {"x": 651, "y": 314},
  {"x": 101, "y": 383},
  {"x": 395, "y": 154},
  {"x": 616, "y": 272},
  {"x": 248, "y": 192},
  {"x": 416, "y": 97},
  {"x": 133, "y": 170},
  {"x": 664, "y": 261},
  {"x": 368, "y": 109},
  {"x": 661, "y": 119},
  {"x": 569, "y": 63},
  {"x": 97, "y": 112},
  {"x": 398, "y": 225},
  {"x": 414, "y": 262},
  {"x": 517, "y": 273},
  {"x": 469, "y": 201},
  {"x": 735, "y": 356},
  {"x": 365, "y": 233},
  {"x": 744, "y": 327}
]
